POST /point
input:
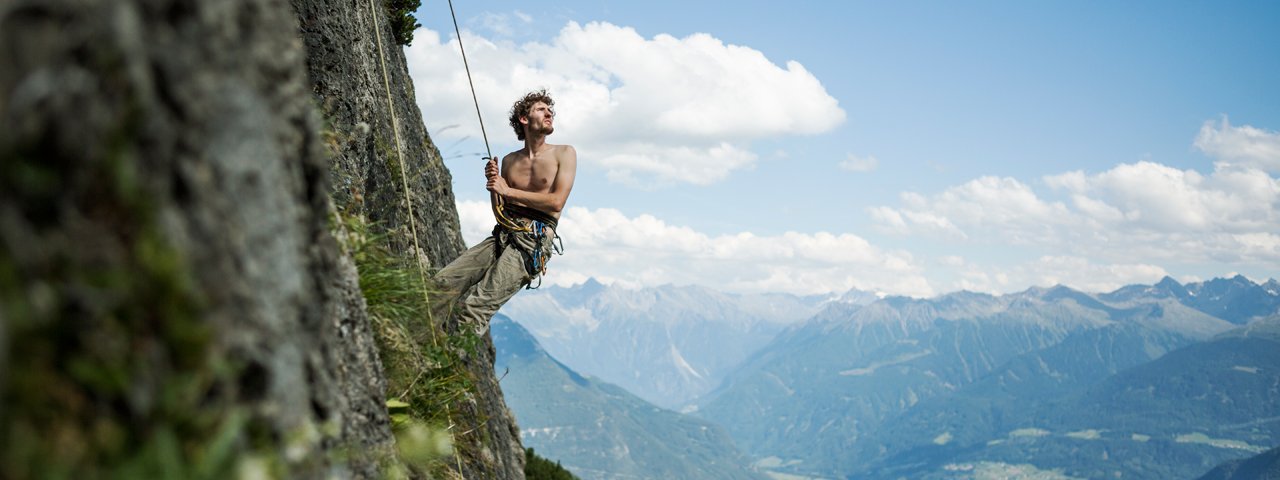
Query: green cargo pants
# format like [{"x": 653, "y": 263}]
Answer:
[{"x": 484, "y": 277}]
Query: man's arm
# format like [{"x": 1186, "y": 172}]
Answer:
[{"x": 552, "y": 201}]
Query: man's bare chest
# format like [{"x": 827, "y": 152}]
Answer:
[{"x": 535, "y": 174}]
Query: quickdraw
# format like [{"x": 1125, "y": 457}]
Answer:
[{"x": 537, "y": 264}]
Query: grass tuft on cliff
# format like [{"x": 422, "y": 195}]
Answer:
[{"x": 423, "y": 366}]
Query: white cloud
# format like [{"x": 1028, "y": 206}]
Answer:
[
  {"x": 1153, "y": 197},
  {"x": 663, "y": 108},
  {"x": 1134, "y": 215},
  {"x": 638, "y": 164},
  {"x": 1000, "y": 206},
  {"x": 477, "y": 221},
  {"x": 644, "y": 250},
  {"x": 1045, "y": 271},
  {"x": 1241, "y": 146},
  {"x": 854, "y": 163}
]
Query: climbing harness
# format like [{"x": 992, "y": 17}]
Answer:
[
  {"x": 499, "y": 205},
  {"x": 535, "y": 260}
]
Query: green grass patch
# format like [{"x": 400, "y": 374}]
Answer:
[{"x": 424, "y": 368}]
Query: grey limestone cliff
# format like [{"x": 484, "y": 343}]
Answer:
[
  {"x": 172, "y": 301},
  {"x": 362, "y": 86}
]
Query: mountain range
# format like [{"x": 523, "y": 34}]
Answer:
[
  {"x": 668, "y": 345},
  {"x": 1149, "y": 381},
  {"x": 599, "y": 431},
  {"x": 1237, "y": 299},
  {"x": 1134, "y": 383}
]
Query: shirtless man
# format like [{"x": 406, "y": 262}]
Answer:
[{"x": 528, "y": 192}]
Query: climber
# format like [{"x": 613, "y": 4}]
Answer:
[{"x": 528, "y": 192}]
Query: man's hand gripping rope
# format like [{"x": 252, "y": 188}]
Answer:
[{"x": 497, "y": 187}]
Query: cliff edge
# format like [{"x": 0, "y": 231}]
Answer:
[{"x": 173, "y": 302}]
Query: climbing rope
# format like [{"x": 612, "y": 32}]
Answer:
[
  {"x": 494, "y": 199},
  {"x": 413, "y": 228},
  {"x": 404, "y": 176}
]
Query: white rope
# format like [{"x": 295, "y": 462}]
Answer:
[
  {"x": 404, "y": 176},
  {"x": 495, "y": 200}
]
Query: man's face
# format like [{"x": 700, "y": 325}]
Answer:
[{"x": 539, "y": 119}]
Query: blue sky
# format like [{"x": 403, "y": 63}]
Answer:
[{"x": 912, "y": 148}]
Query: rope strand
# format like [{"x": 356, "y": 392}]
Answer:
[
  {"x": 467, "y": 67},
  {"x": 404, "y": 176},
  {"x": 408, "y": 200},
  {"x": 494, "y": 199}
]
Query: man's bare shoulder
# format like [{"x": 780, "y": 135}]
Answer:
[
  {"x": 516, "y": 155},
  {"x": 565, "y": 150}
]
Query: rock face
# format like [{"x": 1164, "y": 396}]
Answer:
[
  {"x": 370, "y": 120},
  {"x": 367, "y": 97},
  {"x": 169, "y": 287}
]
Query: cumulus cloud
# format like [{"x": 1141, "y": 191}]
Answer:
[
  {"x": 662, "y": 109},
  {"x": 1153, "y": 197},
  {"x": 638, "y": 166},
  {"x": 980, "y": 207},
  {"x": 646, "y": 251},
  {"x": 636, "y": 251},
  {"x": 477, "y": 221},
  {"x": 1144, "y": 212},
  {"x": 1240, "y": 146}
]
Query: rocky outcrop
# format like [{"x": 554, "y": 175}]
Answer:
[
  {"x": 171, "y": 296},
  {"x": 166, "y": 212},
  {"x": 371, "y": 118}
]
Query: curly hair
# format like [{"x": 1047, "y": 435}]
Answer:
[{"x": 521, "y": 109}]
